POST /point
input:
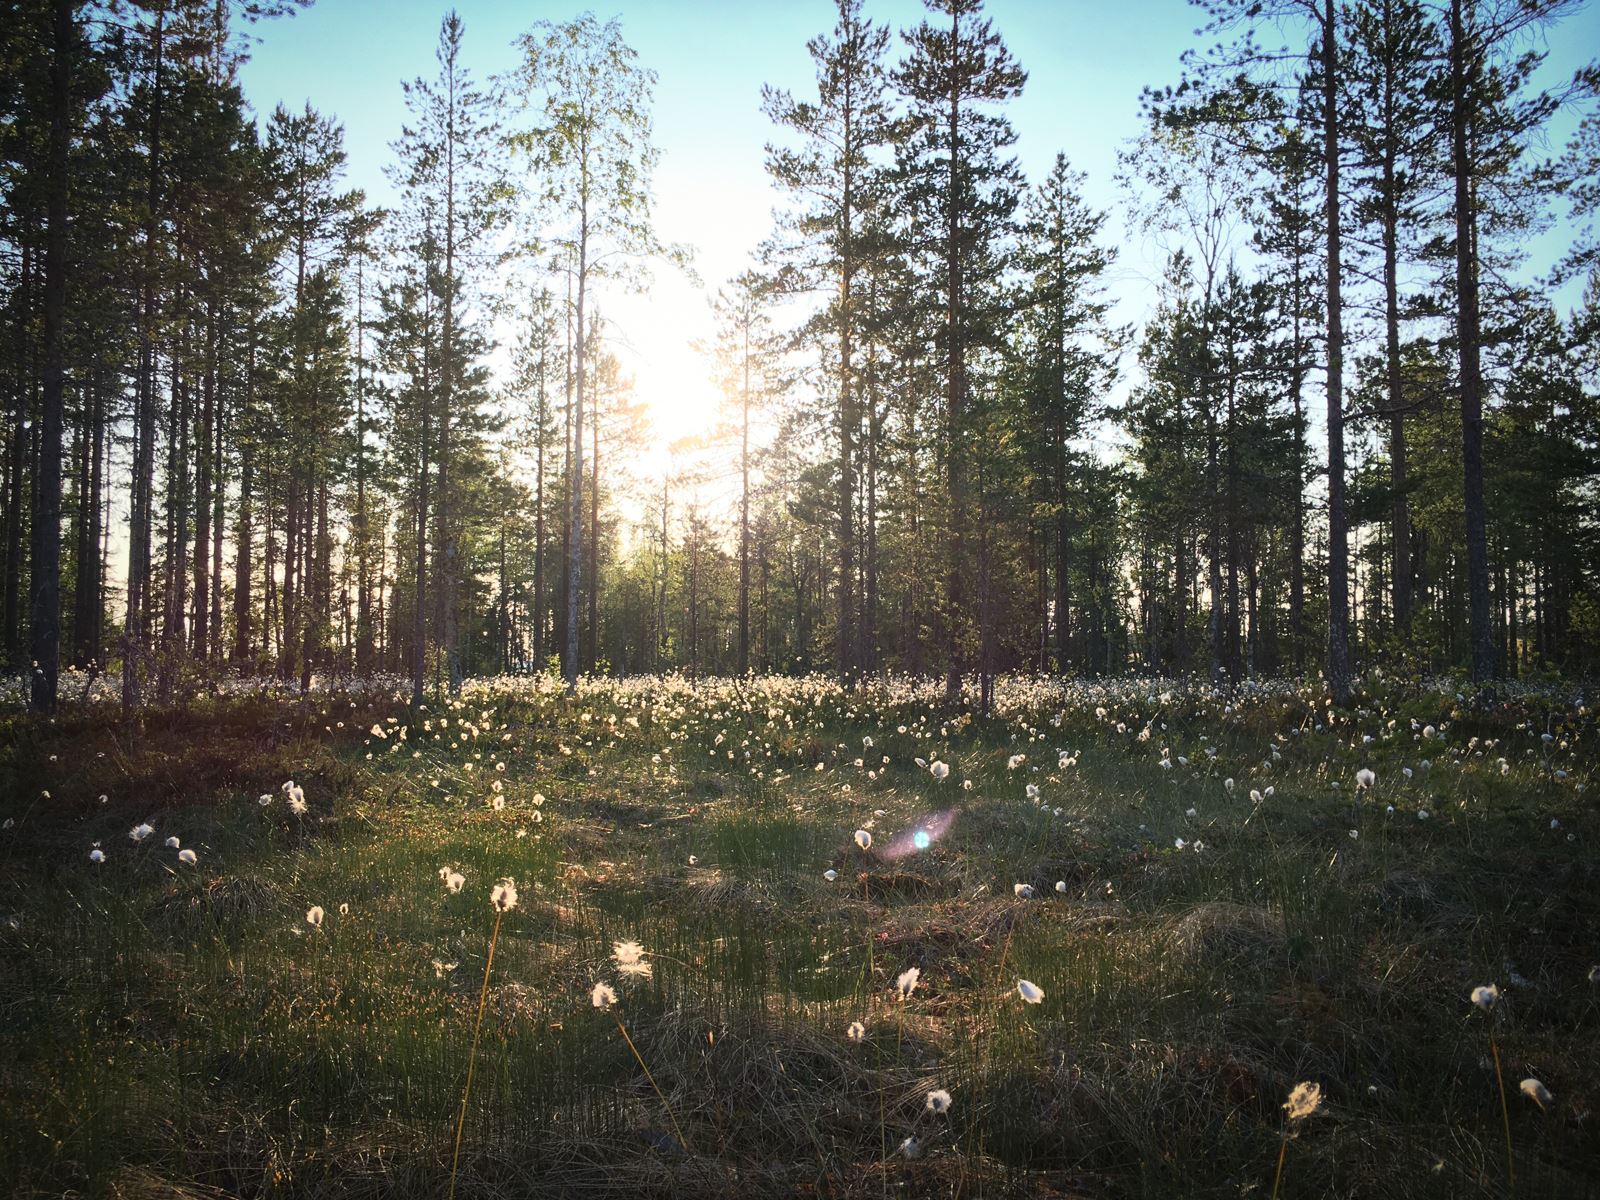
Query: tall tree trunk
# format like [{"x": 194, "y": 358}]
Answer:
[
  {"x": 448, "y": 519},
  {"x": 575, "y": 481},
  {"x": 219, "y": 506},
  {"x": 744, "y": 512},
  {"x": 591, "y": 632},
  {"x": 1468, "y": 339},
  {"x": 143, "y": 482},
  {"x": 955, "y": 394},
  {"x": 538, "y": 526},
  {"x": 419, "y": 625},
  {"x": 1338, "y": 519},
  {"x": 86, "y": 598},
  {"x": 363, "y": 533},
  {"x": 1400, "y": 517},
  {"x": 1297, "y": 530},
  {"x": 202, "y": 497},
  {"x": 46, "y": 577}
]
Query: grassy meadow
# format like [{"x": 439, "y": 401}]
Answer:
[{"x": 1224, "y": 904}]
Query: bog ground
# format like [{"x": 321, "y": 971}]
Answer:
[{"x": 1212, "y": 900}]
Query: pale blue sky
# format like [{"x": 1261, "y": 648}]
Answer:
[{"x": 1087, "y": 63}]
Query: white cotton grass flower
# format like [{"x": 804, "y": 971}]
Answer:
[
  {"x": 1024, "y": 891},
  {"x": 172, "y": 843},
  {"x": 602, "y": 995},
  {"x": 264, "y": 799},
  {"x": 97, "y": 855},
  {"x": 453, "y": 879},
  {"x": 630, "y": 960},
  {"x": 314, "y": 916},
  {"x": 1537, "y": 1092},
  {"x": 141, "y": 831},
  {"x": 1061, "y": 886},
  {"x": 504, "y": 896},
  {"x": 188, "y": 856},
  {"x": 938, "y": 1101},
  {"x": 864, "y": 839},
  {"x": 907, "y": 982},
  {"x": 1303, "y": 1101},
  {"x": 1365, "y": 779},
  {"x": 1486, "y": 996},
  {"x": 857, "y": 1032},
  {"x": 1015, "y": 761},
  {"x": 911, "y": 1148},
  {"x": 1594, "y": 974},
  {"x": 1031, "y": 992},
  {"x": 297, "y": 801},
  {"x": 830, "y": 874},
  {"x": 939, "y": 770}
]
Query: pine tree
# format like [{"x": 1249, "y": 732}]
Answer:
[
  {"x": 592, "y": 159},
  {"x": 953, "y": 175}
]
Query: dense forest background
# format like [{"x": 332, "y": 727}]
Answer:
[{"x": 255, "y": 425}]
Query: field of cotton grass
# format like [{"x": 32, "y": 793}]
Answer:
[{"x": 781, "y": 937}]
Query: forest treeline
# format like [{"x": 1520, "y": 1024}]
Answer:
[{"x": 255, "y": 424}]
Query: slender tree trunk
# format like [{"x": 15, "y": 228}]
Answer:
[
  {"x": 1468, "y": 340},
  {"x": 1338, "y": 520},
  {"x": 202, "y": 497},
  {"x": 744, "y": 511},
  {"x": 591, "y": 633},
  {"x": 955, "y": 396},
  {"x": 447, "y": 517},
  {"x": 86, "y": 598},
  {"x": 419, "y": 626},
  {"x": 1400, "y": 517},
  {"x": 538, "y": 526},
  {"x": 46, "y": 577},
  {"x": 142, "y": 486},
  {"x": 575, "y": 517},
  {"x": 363, "y": 533}
]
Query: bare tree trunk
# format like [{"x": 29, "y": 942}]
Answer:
[
  {"x": 363, "y": 533},
  {"x": 46, "y": 577},
  {"x": 419, "y": 627},
  {"x": 88, "y": 601},
  {"x": 143, "y": 482},
  {"x": 955, "y": 396},
  {"x": 202, "y": 496},
  {"x": 1338, "y": 519},
  {"x": 538, "y": 527},
  {"x": 1468, "y": 341},
  {"x": 592, "y": 633},
  {"x": 744, "y": 511},
  {"x": 575, "y": 517}
]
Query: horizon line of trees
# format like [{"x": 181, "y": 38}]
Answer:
[{"x": 287, "y": 390}]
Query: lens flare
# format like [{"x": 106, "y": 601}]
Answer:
[{"x": 919, "y": 836}]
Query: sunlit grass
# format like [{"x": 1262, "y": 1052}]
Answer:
[{"x": 173, "y": 1025}]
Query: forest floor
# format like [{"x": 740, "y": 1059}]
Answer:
[{"x": 293, "y": 1013}]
